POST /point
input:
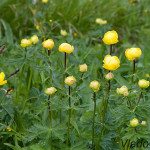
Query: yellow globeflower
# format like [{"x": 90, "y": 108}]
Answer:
[
  {"x": 111, "y": 37},
  {"x": 70, "y": 80},
  {"x": 34, "y": 39},
  {"x": 2, "y": 76},
  {"x": 25, "y": 43},
  {"x": 100, "y": 21},
  {"x": 37, "y": 27},
  {"x": 95, "y": 85},
  {"x": 109, "y": 76},
  {"x": 111, "y": 62},
  {"x": 63, "y": 32},
  {"x": 50, "y": 91},
  {"x": 132, "y": 53},
  {"x": 8, "y": 128},
  {"x": 75, "y": 34},
  {"x": 83, "y": 68},
  {"x": 65, "y": 47},
  {"x": 45, "y": 1},
  {"x": 134, "y": 122},
  {"x": 123, "y": 90},
  {"x": 50, "y": 20},
  {"x": 48, "y": 44},
  {"x": 144, "y": 123},
  {"x": 143, "y": 83},
  {"x": 147, "y": 75}
]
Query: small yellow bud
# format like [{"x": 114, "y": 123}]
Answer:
[
  {"x": 144, "y": 123},
  {"x": 83, "y": 68},
  {"x": 8, "y": 128},
  {"x": 122, "y": 90},
  {"x": 70, "y": 80},
  {"x": 111, "y": 37},
  {"x": 111, "y": 62},
  {"x": 143, "y": 83},
  {"x": 63, "y": 32},
  {"x": 37, "y": 27},
  {"x": 34, "y": 39},
  {"x": 100, "y": 21},
  {"x": 2, "y": 76},
  {"x": 147, "y": 75},
  {"x": 132, "y": 53},
  {"x": 134, "y": 122},
  {"x": 50, "y": 20},
  {"x": 48, "y": 44},
  {"x": 95, "y": 85},
  {"x": 75, "y": 34},
  {"x": 65, "y": 47},
  {"x": 45, "y": 1},
  {"x": 25, "y": 43},
  {"x": 50, "y": 91},
  {"x": 109, "y": 76}
]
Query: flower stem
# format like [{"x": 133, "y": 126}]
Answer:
[
  {"x": 65, "y": 60},
  {"x": 94, "y": 98},
  {"x": 111, "y": 46},
  {"x": 133, "y": 73},
  {"x": 50, "y": 64},
  {"x": 69, "y": 116},
  {"x": 30, "y": 78}
]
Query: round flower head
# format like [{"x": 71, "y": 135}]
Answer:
[
  {"x": 143, "y": 83},
  {"x": 2, "y": 76},
  {"x": 111, "y": 62},
  {"x": 95, "y": 85},
  {"x": 132, "y": 53},
  {"x": 111, "y": 37},
  {"x": 70, "y": 80},
  {"x": 83, "y": 68},
  {"x": 134, "y": 122},
  {"x": 50, "y": 91},
  {"x": 25, "y": 43},
  {"x": 109, "y": 76},
  {"x": 37, "y": 27},
  {"x": 48, "y": 44},
  {"x": 123, "y": 90},
  {"x": 34, "y": 39},
  {"x": 45, "y": 1},
  {"x": 147, "y": 75},
  {"x": 50, "y": 20},
  {"x": 144, "y": 123},
  {"x": 63, "y": 32},
  {"x": 100, "y": 21},
  {"x": 65, "y": 47}
]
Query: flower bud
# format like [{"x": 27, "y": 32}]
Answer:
[
  {"x": 37, "y": 27},
  {"x": 111, "y": 62},
  {"x": 65, "y": 47},
  {"x": 122, "y": 90},
  {"x": 100, "y": 21},
  {"x": 70, "y": 80},
  {"x": 109, "y": 76},
  {"x": 25, "y": 43},
  {"x": 50, "y": 91},
  {"x": 134, "y": 122},
  {"x": 147, "y": 75},
  {"x": 144, "y": 123},
  {"x": 143, "y": 83},
  {"x": 45, "y": 1},
  {"x": 111, "y": 37},
  {"x": 132, "y": 53},
  {"x": 8, "y": 128},
  {"x": 48, "y": 44},
  {"x": 63, "y": 32},
  {"x": 34, "y": 39},
  {"x": 95, "y": 85},
  {"x": 2, "y": 76},
  {"x": 126, "y": 93},
  {"x": 83, "y": 68},
  {"x": 50, "y": 20}
]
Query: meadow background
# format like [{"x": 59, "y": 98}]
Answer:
[{"x": 27, "y": 114}]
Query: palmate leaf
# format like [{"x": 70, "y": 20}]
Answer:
[{"x": 75, "y": 125}]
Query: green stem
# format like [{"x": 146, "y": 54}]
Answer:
[
  {"x": 133, "y": 73},
  {"x": 69, "y": 116},
  {"x": 94, "y": 98},
  {"x": 50, "y": 64},
  {"x": 30, "y": 78}
]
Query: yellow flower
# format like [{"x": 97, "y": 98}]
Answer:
[
  {"x": 111, "y": 37},
  {"x": 48, "y": 44},
  {"x": 109, "y": 76},
  {"x": 147, "y": 75},
  {"x": 45, "y": 1},
  {"x": 37, "y": 27},
  {"x": 25, "y": 43},
  {"x": 123, "y": 90},
  {"x": 34, "y": 39},
  {"x": 50, "y": 91},
  {"x": 70, "y": 80},
  {"x": 2, "y": 76},
  {"x": 8, "y": 128},
  {"x": 134, "y": 122},
  {"x": 75, "y": 34},
  {"x": 50, "y": 20},
  {"x": 100, "y": 21},
  {"x": 63, "y": 32},
  {"x": 95, "y": 85},
  {"x": 83, "y": 68},
  {"x": 143, "y": 83},
  {"x": 111, "y": 62},
  {"x": 144, "y": 123},
  {"x": 132, "y": 53},
  {"x": 65, "y": 47}
]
